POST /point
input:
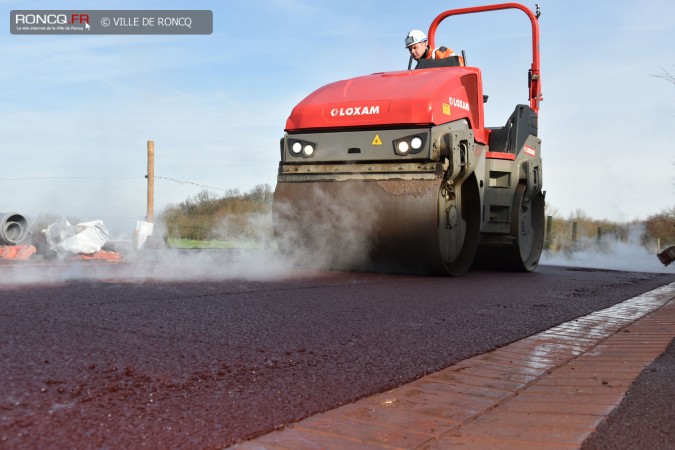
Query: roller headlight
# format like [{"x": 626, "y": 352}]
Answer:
[
  {"x": 296, "y": 148},
  {"x": 410, "y": 145},
  {"x": 300, "y": 148}
]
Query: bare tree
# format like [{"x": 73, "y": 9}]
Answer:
[{"x": 666, "y": 76}]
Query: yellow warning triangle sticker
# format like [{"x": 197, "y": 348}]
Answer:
[{"x": 377, "y": 140}]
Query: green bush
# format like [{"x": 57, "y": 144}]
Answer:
[{"x": 230, "y": 217}]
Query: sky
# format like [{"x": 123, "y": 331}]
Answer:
[{"x": 76, "y": 112}]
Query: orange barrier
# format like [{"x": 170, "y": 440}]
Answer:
[
  {"x": 22, "y": 252},
  {"x": 100, "y": 256}
]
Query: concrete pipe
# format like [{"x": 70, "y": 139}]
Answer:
[{"x": 13, "y": 228}]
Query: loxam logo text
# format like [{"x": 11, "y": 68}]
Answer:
[
  {"x": 459, "y": 103},
  {"x": 355, "y": 111}
]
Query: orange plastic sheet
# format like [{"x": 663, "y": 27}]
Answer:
[
  {"x": 21, "y": 252},
  {"x": 101, "y": 256}
]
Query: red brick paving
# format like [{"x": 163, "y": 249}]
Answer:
[{"x": 550, "y": 390}]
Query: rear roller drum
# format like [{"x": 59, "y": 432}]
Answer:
[
  {"x": 527, "y": 226},
  {"x": 521, "y": 250}
]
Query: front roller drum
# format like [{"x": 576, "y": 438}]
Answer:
[{"x": 409, "y": 226}]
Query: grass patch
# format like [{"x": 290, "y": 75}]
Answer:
[{"x": 198, "y": 244}]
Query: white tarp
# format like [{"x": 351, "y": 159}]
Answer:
[{"x": 66, "y": 239}]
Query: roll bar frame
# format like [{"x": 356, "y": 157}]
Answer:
[{"x": 534, "y": 76}]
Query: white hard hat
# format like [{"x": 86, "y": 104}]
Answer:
[{"x": 414, "y": 37}]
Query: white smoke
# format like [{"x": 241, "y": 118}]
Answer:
[
  {"x": 256, "y": 258},
  {"x": 316, "y": 232},
  {"x": 609, "y": 253},
  {"x": 250, "y": 230},
  {"x": 339, "y": 235},
  {"x": 153, "y": 265},
  {"x": 327, "y": 230}
]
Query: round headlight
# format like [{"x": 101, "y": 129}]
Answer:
[
  {"x": 296, "y": 148},
  {"x": 416, "y": 143},
  {"x": 403, "y": 147},
  {"x": 309, "y": 150}
]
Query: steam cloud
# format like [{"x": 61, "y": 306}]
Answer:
[
  {"x": 320, "y": 233},
  {"x": 317, "y": 233},
  {"x": 610, "y": 254},
  {"x": 157, "y": 262}
]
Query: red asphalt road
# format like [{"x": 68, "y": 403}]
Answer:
[{"x": 119, "y": 363}]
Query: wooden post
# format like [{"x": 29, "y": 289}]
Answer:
[
  {"x": 151, "y": 181},
  {"x": 549, "y": 226},
  {"x": 574, "y": 232}
]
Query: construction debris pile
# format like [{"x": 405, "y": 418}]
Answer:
[
  {"x": 84, "y": 240},
  {"x": 63, "y": 240}
]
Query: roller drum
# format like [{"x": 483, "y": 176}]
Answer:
[{"x": 380, "y": 225}]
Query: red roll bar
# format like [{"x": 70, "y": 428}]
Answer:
[{"x": 534, "y": 81}]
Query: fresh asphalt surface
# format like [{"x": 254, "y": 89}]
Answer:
[{"x": 118, "y": 363}]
